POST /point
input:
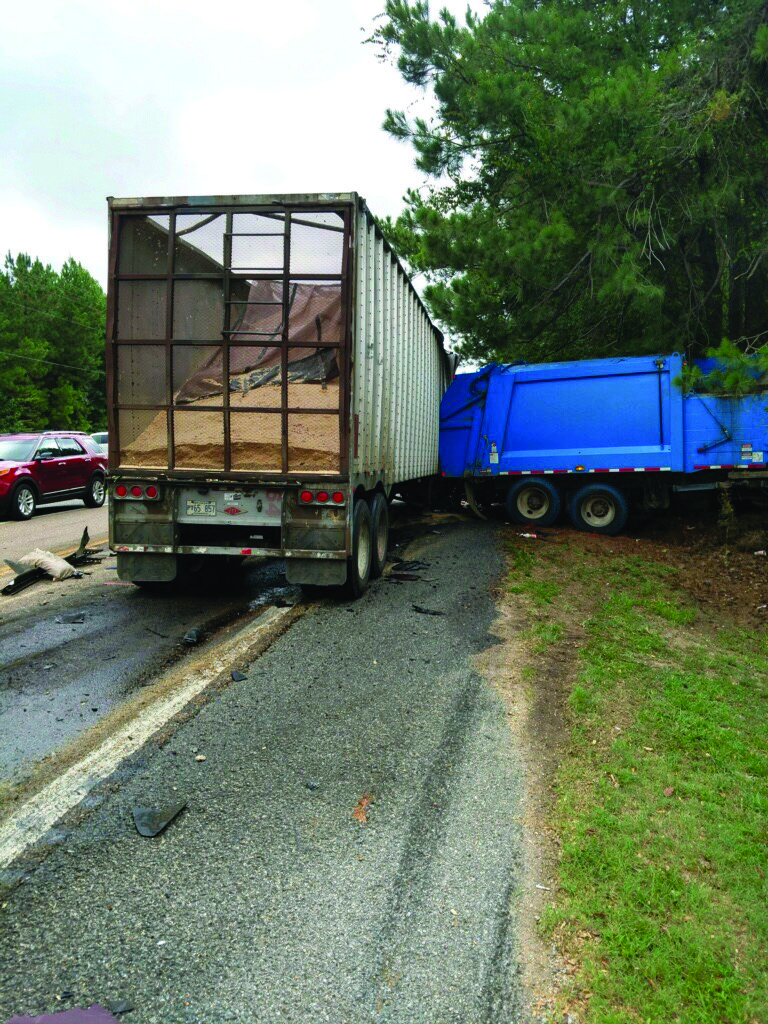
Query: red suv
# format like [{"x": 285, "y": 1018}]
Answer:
[{"x": 49, "y": 466}]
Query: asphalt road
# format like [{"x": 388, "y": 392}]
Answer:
[{"x": 349, "y": 850}]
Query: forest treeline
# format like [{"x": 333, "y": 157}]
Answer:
[
  {"x": 597, "y": 174},
  {"x": 51, "y": 347}
]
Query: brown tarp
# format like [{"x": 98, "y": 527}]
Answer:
[{"x": 314, "y": 314}]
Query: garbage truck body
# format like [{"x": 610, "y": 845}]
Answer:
[
  {"x": 593, "y": 436},
  {"x": 273, "y": 379}
]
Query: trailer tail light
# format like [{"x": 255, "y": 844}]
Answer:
[
  {"x": 137, "y": 492},
  {"x": 322, "y": 497}
]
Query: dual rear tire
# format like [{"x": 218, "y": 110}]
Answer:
[
  {"x": 370, "y": 538},
  {"x": 594, "y": 508}
]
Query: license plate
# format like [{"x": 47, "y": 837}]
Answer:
[{"x": 201, "y": 508}]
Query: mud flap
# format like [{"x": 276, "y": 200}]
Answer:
[
  {"x": 152, "y": 567},
  {"x": 316, "y": 571},
  {"x": 469, "y": 494}
]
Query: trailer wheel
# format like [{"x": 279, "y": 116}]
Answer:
[
  {"x": 598, "y": 508},
  {"x": 359, "y": 565},
  {"x": 379, "y": 534},
  {"x": 534, "y": 502}
]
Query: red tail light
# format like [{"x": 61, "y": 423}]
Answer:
[
  {"x": 136, "y": 491},
  {"x": 322, "y": 496},
  {"x": 305, "y": 497},
  {"x": 151, "y": 492},
  {"x": 121, "y": 490},
  {"x": 337, "y": 498}
]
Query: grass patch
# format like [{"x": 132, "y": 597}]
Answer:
[{"x": 662, "y": 804}]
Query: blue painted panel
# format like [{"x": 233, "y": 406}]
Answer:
[{"x": 725, "y": 431}]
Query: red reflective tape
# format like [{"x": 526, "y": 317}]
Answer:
[
  {"x": 653, "y": 469},
  {"x": 561, "y": 470},
  {"x": 630, "y": 469},
  {"x": 600, "y": 471}
]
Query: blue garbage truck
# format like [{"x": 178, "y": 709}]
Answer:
[{"x": 593, "y": 437}]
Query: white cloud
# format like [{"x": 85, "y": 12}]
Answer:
[{"x": 174, "y": 97}]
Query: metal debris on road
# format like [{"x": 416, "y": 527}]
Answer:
[
  {"x": 150, "y": 821},
  {"x": 38, "y": 565},
  {"x": 238, "y": 677},
  {"x": 193, "y": 636},
  {"x": 413, "y": 566},
  {"x": 95, "y": 1014},
  {"x": 425, "y": 611},
  {"x": 72, "y": 617}
]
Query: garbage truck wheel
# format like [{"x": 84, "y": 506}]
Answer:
[
  {"x": 599, "y": 508},
  {"x": 533, "y": 502},
  {"x": 379, "y": 534},
  {"x": 359, "y": 565}
]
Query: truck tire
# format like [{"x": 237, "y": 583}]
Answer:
[
  {"x": 379, "y": 534},
  {"x": 95, "y": 492},
  {"x": 23, "y": 502},
  {"x": 598, "y": 508},
  {"x": 359, "y": 565},
  {"x": 533, "y": 502}
]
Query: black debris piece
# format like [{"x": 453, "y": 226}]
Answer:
[
  {"x": 71, "y": 617},
  {"x": 120, "y": 1006},
  {"x": 414, "y": 566},
  {"x": 312, "y": 785},
  {"x": 238, "y": 676},
  {"x": 193, "y": 636},
  {"x": 425, "y": 611},
  {"x": 150, "y": 821}
]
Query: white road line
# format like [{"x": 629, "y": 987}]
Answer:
[{"x": 33, "y": 819}]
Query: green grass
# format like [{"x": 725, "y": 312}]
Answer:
[{"x": 662, "y": 804}]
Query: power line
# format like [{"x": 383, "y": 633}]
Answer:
[
  {"x": 49, "y": 362},
  {"x": 52, "y": 316}
]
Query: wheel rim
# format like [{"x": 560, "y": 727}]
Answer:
[
  {"x": 598, "y": 511},
  {"x": 97, "y": 491},
  {"x": 363, "y": 549},
  {"x": 25, "y": 502},
  {"x": 532, "y": 503}
]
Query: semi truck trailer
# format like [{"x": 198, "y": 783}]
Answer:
[{"x": 273, "y": 379}]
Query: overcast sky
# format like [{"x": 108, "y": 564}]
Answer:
[{"x": 103, "y": 97}]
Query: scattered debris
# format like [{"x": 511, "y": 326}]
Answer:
[
  {"x": 425, "y": 611},
  {"x": 403, "y": 576},
  {"x": 413, "y": 566},
  {"x": 312, "y": 785},
  {"x": 238, "y": 677},
  {"x": 95, "y": 1014},
  {"x": 201, "y": 757},
  {"x": 761, "y": 552},
  {"x": 38, "y": 565},
  {"x": 362, "y": 807},
  {"x": 73, "y": 617},
  {"x": 193, "y": 636},
  {"x": 150, "y": 821}
]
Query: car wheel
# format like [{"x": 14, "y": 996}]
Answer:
[
  {"x": 23, "y": 502},
  {"x": 96, "y": 492}
]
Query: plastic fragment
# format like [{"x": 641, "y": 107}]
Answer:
[
  {"x": 150, "y": 821},
  {"x": 238, "y": 676}
]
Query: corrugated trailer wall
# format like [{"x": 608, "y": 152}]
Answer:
[{"x": 400, "y": 369}]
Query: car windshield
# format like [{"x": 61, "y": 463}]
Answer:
[{"x": 17, "y": 451}]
